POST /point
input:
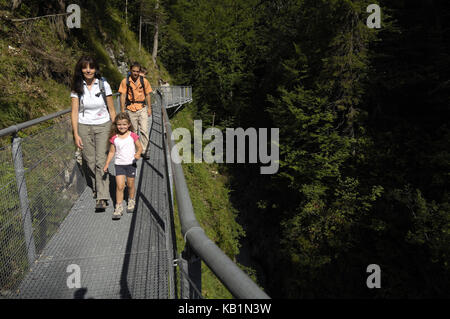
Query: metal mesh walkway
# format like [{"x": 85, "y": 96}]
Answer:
[{"x": 128, "y": 258}]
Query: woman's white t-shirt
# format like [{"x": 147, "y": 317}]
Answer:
[
  {"x": 95, "y": 109},
  {"x": 125, "y": 148}
]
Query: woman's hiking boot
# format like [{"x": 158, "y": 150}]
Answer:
[{"x": 100, "y": 205}]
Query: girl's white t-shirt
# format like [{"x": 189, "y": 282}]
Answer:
[
  {"x": 125, "y": 148},
  {"x": 95, "y": 109}
]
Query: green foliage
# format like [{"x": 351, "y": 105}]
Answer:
[
  {"x": 40, "y": 72},
  {"x": 364, "y": 159},
  {"x": 38, "y": 56},
  {"x": 210, "y": 40}
]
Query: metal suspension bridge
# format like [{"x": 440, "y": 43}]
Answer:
[{"x": 53, "y": 244}]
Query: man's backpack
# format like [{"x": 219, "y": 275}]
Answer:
[
  {"x": 102, "y": 90},
  {"x": 127, "y": 101},
  {"x": 101, "y": 84}
]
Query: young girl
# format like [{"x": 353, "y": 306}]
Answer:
[{"x": 127, "y": 148}]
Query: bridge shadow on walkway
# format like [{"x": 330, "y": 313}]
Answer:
[{"x": 128, "y": 258}]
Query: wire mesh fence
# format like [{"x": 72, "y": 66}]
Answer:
[
  {"x": 11, "y": 233},
  {"x": 40, "y": 180},
  {"x": 52, "y": 182},
  {"x": 176, "y": 95},
  {"x": 188, "y": 288}
]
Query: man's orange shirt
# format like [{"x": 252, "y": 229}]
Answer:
[{"x": 138, "y": 91}]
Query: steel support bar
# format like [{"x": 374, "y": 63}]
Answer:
[
  {"x": 191, "y": 274},
  {"x": 23, "y": 198},
  {"x": 235, "y": 279},
  {"x": 116, "y": 100},
  {"x": 16, "y": 128}
]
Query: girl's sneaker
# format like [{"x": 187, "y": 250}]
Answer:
[
  {"x": 131, "y": 204},
  {"x": 118, "y": 212}
]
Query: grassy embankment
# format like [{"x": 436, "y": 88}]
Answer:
[
  {"x": 37, "y": 59},
  {"x": 207, "y": 184}
]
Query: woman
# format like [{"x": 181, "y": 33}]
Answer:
[{"x": 92, "y": 114}]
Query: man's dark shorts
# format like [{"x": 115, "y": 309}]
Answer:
[{"x": 127, "y": 170}]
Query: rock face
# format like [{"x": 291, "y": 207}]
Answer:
[
  {"x": 110, "y": 52},
  {"x": 122, "y": 66}
]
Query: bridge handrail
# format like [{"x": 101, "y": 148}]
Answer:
[
  {"x": 13, "y": 129},
  {"x": 234, "y": 278}
]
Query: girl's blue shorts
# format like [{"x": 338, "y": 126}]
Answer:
[{"x": 127, "y": 170}]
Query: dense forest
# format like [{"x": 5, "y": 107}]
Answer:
[
  {"x": 363, "y": 132},
  {"x": 364, "y": 136}
]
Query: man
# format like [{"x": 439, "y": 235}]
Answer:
[
  {"x": 135, "y": 100},
  {"x": 143, "y": 72}
]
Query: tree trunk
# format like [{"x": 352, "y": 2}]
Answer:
[
  {"x": 155, "y": 37},
  {"x": 155, "y": 43},
  {"x": 16, "y": 4},
  {"x": 62, "y": 5}
]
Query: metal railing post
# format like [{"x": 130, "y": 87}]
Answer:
[
  {"x": 116, "y": 99},
  {"x": 184, "y": 280},
  {"x": 190, "y": 274},
  {"x": 23, "y": 197}
]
